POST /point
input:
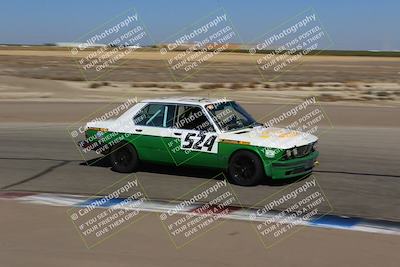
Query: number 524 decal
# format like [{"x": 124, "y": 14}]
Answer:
[{"x": 205, "y": 142}]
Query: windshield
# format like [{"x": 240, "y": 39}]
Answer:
[{"x": 230, "y": 116}]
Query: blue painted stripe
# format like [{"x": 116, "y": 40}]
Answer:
[
  {"x": 333, "y": 220},
  {"x": 96, "y": 202}
]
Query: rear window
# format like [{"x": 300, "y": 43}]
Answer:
[{"x": 156, "y": 115}]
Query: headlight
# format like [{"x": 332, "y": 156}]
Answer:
[
  {"x": 301, "y": 151},
  {"x": 291, "y": 153}
]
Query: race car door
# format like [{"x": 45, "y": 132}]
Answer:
[
  {"x": 194, "y": 140},
  {"x": 153, "y": 123}
]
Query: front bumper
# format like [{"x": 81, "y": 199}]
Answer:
[{"x": 291, "y": 168}]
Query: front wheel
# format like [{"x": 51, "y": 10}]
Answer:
[
  {"x": 245, "y": 168},
  {"x": 124, "y": 158}
]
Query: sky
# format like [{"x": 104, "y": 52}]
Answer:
[{"x": 351, "y": 24}]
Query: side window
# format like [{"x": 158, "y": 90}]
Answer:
[
  {"x": 156, "y": 115},
  {"x": 192, "y": 118}
]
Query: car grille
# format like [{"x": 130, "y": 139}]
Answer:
[{"x": 299, "y": 152}]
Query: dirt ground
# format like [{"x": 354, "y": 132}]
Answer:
[
  {"x": 49, "y": 75},
  {"x": 142, "y": 66}
]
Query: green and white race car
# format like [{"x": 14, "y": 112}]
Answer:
[{"x": 202, "y": 132}]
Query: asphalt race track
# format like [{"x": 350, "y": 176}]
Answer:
[{"x": 359, "y": 169}]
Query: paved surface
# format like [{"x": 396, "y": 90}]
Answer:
[
  {"x": 45, "y": 236},
  {"x": 359, "y": 167}
]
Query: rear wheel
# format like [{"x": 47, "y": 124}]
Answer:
[
  {"x": 124, "y": 158},
  {"x": 245, "y": 168}
]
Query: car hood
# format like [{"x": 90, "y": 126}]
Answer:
[{"x": 270, "y": 137}]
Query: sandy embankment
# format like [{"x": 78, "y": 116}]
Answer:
[{"x": 350, "y": 93}]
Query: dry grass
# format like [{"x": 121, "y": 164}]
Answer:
[
  {"x": 330, "y": 98},
  {"x": 99, "y": 84},
  {"x": 211, "y": 86},
  {"x": 305, "y": 84},
  {"x": 253, "y": 85},
  {"x": 157, "y": 85},
  {"x": 382, "y": 93},
  {"x": 145, "y": 85},
  {"x": 236, "y": 86},
  {"x": 267, "y": 85}
]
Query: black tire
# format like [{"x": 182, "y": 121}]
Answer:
[
  {"x": 245, "y": 168},
  {"x": 124, "y": 158}
]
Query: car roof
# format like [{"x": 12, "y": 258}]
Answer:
[{"x": 187, "y": 100}]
